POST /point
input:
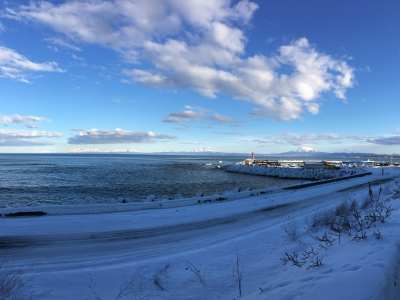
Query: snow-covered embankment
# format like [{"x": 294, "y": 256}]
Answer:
[{"x": 300, "y": 173}]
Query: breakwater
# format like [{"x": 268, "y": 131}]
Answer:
[{"x": 295, "y": 173}]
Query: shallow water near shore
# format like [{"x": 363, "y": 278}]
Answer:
[{"x": 45, "y": 179}]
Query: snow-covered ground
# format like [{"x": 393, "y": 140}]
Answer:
[{"x": 92, "y": 256}]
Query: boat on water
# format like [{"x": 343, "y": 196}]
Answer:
[
  {"x": 208, "y": 164},
  {"x": 220, "y": 161}
]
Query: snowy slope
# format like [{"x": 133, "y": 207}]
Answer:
[{"x": 305, "y": 150}]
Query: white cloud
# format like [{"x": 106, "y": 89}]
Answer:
[
  {"x": 62, "y": 43},
  {"x": 210, "y": 70},
  {"x": 12, "y": 137},
  {"x": 76, "y": 57},
  {"x": 55, "y": 49},
  {"x": 117, "y": 136},
  {"x": 196, "y": 114},
  {"x": 31, "y": 126},
  {"x": 199, "y": 45},
  {"x": 184, "y": 116},
  {"x": 219, "y": 118},
  {"x": 16, "y": 66},
  {"x": 21, "y": 119}
]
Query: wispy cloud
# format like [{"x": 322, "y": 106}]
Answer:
[
  {"x": 180, "y": 128},
  {"x": 76, "y": 57},
  {"x": 62, "y": 43},
  {"x": 22, "y": 119},
  {"x": 96, "y": 150},
  {"x": 310, "y": 138},
  {"x": 196, "y": 114},
  {"x": 16, "y": 66},
  {"x": 117, "y": 136},
  {"x": 31, "y": 126},
  {"x": 11, "y": 137},
  {"x": 191, "y": 143},
  {"x": 386, "y": 141},
  {"x": 211, "y": 60},
  {"x": 228, "y": 133}
]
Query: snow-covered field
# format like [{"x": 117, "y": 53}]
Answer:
[{"x": 191, "y": 252}]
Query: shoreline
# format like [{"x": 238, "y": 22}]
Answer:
[{"x": 228, "y": 196}]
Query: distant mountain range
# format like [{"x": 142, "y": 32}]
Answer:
[
  {"x": 302, "y": 151},
  {"x": 306, "y": 151}
]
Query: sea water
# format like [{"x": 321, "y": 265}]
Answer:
[{"x": 46, "y": 179}]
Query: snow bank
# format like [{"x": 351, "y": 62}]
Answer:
[
  {"x": 295, "y": 173},
  {"x": 150, "y": 203}
]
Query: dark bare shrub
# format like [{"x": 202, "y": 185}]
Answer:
[
  {"x": 366, "y": 202},
  {"x": 292, "y": 230},
  {"x": 343, "y": 208},
  {"x": 238, "y": 272},
  {"x": 328, "y": 217},
  {"x": 360, "y": 236},
  {"x": 132, "y": 286},
  {"x": 196, "y": 272},
  {"x": 313, "y": 221},
  {"x": 12, "y": 281},
  {"x": 293, "y": 258},
  {"x": 159, "y": 275},
  {"x": 316, "y": 263}
]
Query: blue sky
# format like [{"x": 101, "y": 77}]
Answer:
[{"x": 171, "y": 75}]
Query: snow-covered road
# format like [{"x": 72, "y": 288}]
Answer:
[{"x": 57, "y": 238}]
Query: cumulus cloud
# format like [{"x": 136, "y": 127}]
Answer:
[
  {"x": 117, "y": 136},
  {"x": 311, "y": 139},
  {"x": 199, "y": 45},
  {"x": 196, "y": 114},
  {"x": 12, "y": 137},
  {"x": 21, "y": 119},
  {"x": 16, "y": 66}
]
